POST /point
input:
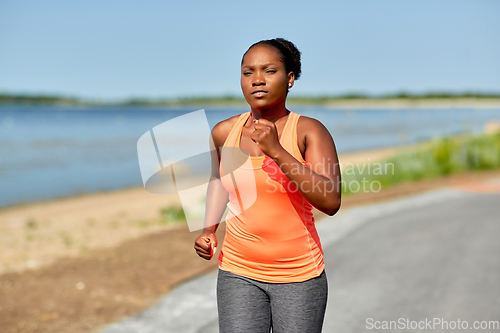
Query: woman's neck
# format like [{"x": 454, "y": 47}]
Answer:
[{"x": 272, "y": 114}]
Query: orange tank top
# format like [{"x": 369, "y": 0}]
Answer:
[{"x": 275, "y": 238}]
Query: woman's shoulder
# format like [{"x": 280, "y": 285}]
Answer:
[
  {"x": 222, "y": 129},
  {"x": 308, "y": 122},
  {"x": 310, "y": 126}
]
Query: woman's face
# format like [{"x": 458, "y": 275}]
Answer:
[{"x": 264, "y": 80}]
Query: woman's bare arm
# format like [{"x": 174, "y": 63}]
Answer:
[
  {"x": 217, "y": 196},
  {"x": 319, "y": 180}
]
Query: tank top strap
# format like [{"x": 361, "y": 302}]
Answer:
[
  {"x": 286, "y": 135},
  {"x": 234, "y": 133},
  {"x": 289, "y": 135}
]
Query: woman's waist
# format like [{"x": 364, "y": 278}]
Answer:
[
  {"x": 247, "y": 253},
  {"x": 273, "y": 243},
  {"x": 269, "y": 225}
]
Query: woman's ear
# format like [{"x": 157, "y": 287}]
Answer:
[{"x": 291, "y": 79}]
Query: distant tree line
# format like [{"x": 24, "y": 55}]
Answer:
[
  {"x": 37, "y": 99},
  {"x": 54, "y": 100}
]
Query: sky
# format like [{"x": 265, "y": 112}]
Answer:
[{"x": 104, "y": 49}]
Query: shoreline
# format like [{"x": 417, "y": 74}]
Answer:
[
  {"x": 386, "y": 103},
  {"x": 351, "y": 157}
]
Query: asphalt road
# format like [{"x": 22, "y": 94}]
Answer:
[{"x": 417, "y": 262}]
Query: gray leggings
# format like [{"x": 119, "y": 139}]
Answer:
[{"x": 249, "y": 306}]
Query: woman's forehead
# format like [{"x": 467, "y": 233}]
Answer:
[{"x": 261, "y": 54}]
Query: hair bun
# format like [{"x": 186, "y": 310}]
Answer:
[
  {"x": 290, "y": 54},
  {"x": 294, "y": 53}
]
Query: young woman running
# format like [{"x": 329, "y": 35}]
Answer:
[{"x": 271, "y": 270}]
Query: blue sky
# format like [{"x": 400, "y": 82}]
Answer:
[{"x": 123, "y": 49}]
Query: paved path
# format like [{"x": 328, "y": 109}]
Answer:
[{"x": 433, "y": 255}]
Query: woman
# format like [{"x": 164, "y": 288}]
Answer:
[{"x": 271, "y": 270}]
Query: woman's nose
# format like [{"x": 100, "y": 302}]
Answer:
[{"x": 258, "y": 79}]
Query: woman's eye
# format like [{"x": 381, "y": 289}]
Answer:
[
  {"x": 271, "y": 71},
  {"x": 246, "y": 73}
]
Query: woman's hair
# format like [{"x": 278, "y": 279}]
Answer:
[{"x": 289, "y": 54}]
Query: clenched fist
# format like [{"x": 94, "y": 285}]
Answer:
[
  {"x": 206, "y": 245},
  {"x": 265, "y": 136}
]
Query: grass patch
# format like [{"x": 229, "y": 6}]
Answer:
[
  {"x": 144, "y": 223},
  {"x": 66, "y": 238},
  {"x": 444, "y": 157},
  {"x": 31, "y": 224},
  {"x": 172, "y": 214},
  {"x": 114, "y": 224}
]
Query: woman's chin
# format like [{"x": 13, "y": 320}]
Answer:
[{"x": 261, "y": 104}]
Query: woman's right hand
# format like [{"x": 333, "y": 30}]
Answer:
[{"x": 206, "y": 245}]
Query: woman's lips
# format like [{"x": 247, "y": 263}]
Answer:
[{"x": 259, "y": 93}]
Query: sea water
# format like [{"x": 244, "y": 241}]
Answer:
[{"x": 48, "y": 152}]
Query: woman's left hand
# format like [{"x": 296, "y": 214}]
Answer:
[{"x": 266, "y": 137}]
